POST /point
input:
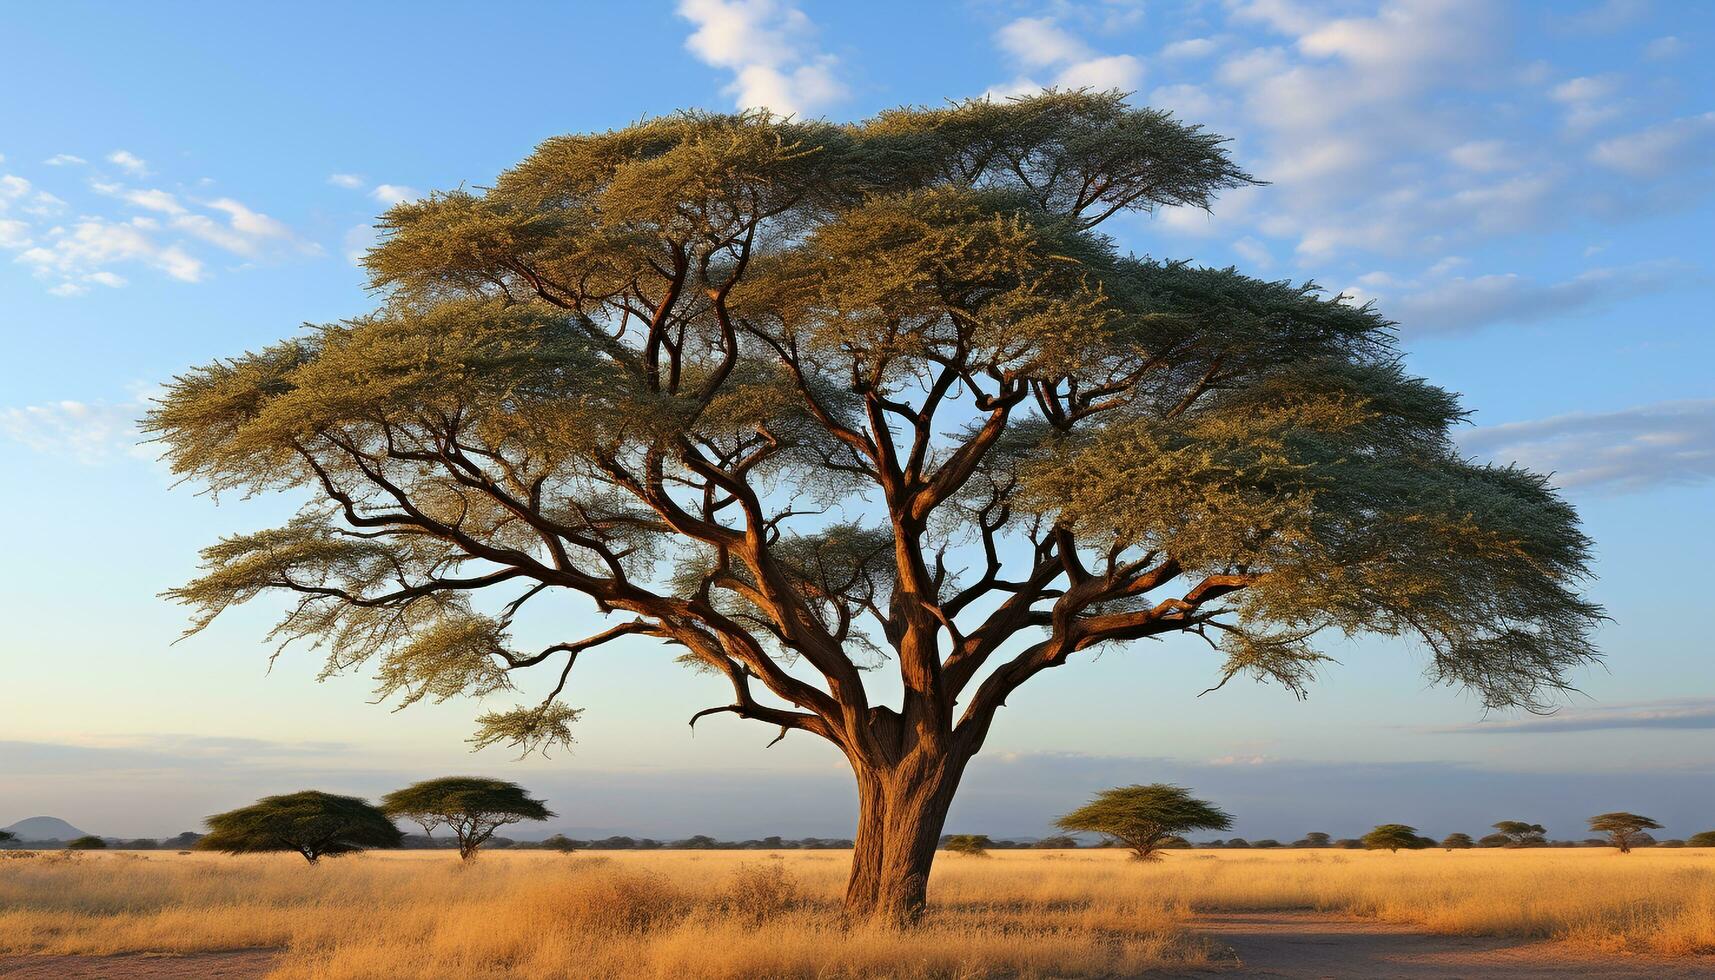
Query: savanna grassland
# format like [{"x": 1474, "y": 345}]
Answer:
[{"x": 743, "y": 914}]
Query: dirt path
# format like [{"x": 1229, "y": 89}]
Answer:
[
  {"x": 1313, "y": 945},
  {"x": 238, "y": 964}
]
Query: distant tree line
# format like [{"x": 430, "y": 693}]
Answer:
[{"x": 1144, "y": 819}]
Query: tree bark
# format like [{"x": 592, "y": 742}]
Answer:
[{"x": 901, "y": 812}]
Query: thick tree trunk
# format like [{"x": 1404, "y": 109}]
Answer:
[{"x": 901, "y": 812}]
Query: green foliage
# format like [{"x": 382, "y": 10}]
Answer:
[
  {"x": 1703, "y": 839},
  {"x": 561, "y": 843},
  {"x": 1458, "y": 842},
  {"x": 88, "y": 843},
  {"x": 472, "y": 807},
  {"x": 1143, "y": 817},
  {"x": 1393, "y": 836},
  {"x": 1522, "y": 834},
  {"x": 970, "y": 845},
  {"x": 798, "y": 399},
  {"x": 310, "y": 823},
  {"x": 7, "y": 837},
  {"x": 1624, "y": 830}
]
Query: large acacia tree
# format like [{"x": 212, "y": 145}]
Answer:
[{"x": 808, "y": 402}]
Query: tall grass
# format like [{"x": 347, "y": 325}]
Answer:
[{"x": 743, "y": 914}]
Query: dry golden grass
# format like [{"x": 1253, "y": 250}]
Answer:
[{"x": 743, "y": 914}]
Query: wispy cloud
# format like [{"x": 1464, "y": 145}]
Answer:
[
  {"x": 65, "y": 160},
  {"x": 770, "y": 47},
  {"x": 92, "y": 433},
  {"x": 1634, "y": 449},
  {"x": 1457, "y": 304},
  {"x": 391, "y": 194},
  {"x": 347, "y": 181},
  {"x": 1681, "y": 714},
  {"x": 129, "y": 162}
]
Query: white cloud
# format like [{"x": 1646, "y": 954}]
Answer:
[
  {"x": 1670, "y": 443},
  {"x": 1461, "y": 304},
  {"x": 1663, "y": 48},
  {"x": 391, "y": 194},
  {"x": 1120, "y": 71},
  {"x": 1253, "y": 251},
  {"x": 128, "y": 162},
  {"x": 770, "y": 47},
  {"x": 64, "y": 160},
  {"x": 12, "y": 187},
  {"x": 347, "y": 181},
  {"x": 1588, "y": 100},
  {"x": 1037, "y": 42},
  {"x": 1482, "y": 156},
  {"x": 92, "y": 243},
  {"x": 1040, "y": 43},
  {"x": 251, "y": 223},
  {"x": 14, "y": 233},
  {"x": 1196, "y": 47},
  {"x": 1680, "y": 146},
  {"x": 89, "y": 432},
  {"x": 154, "y": 200}
]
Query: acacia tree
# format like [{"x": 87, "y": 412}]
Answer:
[
  {"x": 1623, "y": 829},
  {"x": 805, "y": 400},
  {"x": 471, "y": 806},
  {"x": 310, "y": 823},
  {"x": 7, "y": 837},
  {"x": 1521, "y": 834},
  {"x": 1391, "y": 837},
  {"x": 1145, "y": 818},
  {"x": 1458, "y": 842}
]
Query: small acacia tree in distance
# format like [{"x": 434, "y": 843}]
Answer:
[
  {"x": 561, "y": 843},
  {"x": 970, "y": 845},
  {"x": 643, "y": 367},
  {"x": 7, "y": 837},
  {"x": 1521, "y": 834},
  {"x": 1623, "y": 829},
  {"x": 1458, "y": 842},
  {"x": 1143, "y": 818},
  {"x": 310, "y": 823},
  {"x": 86, "y": 843},
  {"x": 472, "y": 807},
  {"x": 1704, "y": 839},
  {"x": 1393, "y": 836}
]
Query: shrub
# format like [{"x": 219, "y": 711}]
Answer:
[
  {"x": 1704, "y": 839},
  {"x": 89, "y": 843},
  {"x": 756, "y": 893},
  {"x": 1393, "y": 836},
  {"x": 1457, "y": 842}
]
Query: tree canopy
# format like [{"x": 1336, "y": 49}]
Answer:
[
  {"x": 970, "y": 845},
  {"x": 802, "y": 400},
  {"x": 1143, "y": 818},
  {"x": 1623, "y": 829},
  {"x": 472, "y": 807},
  {"x": 1703, "y": 839},
  {"x": 1393, "y": 836},
  {"x": 1520, "y": 833},
  {"x": 89, "y": 842},
  {"x": 310, "y": 823},
  {"x": 1457, "y": 842}
]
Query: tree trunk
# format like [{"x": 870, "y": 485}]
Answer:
[{"x": 901, "y": 812}]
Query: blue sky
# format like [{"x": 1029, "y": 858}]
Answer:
[{"x": 1526, "y": 188}]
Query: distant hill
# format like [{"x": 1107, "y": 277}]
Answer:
[{"x": 44, "y": 828}]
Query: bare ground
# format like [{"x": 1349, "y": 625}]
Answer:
[{"x": 1314, "y": 945}]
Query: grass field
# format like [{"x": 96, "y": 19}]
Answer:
[{"x": 741, "y": 914}]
